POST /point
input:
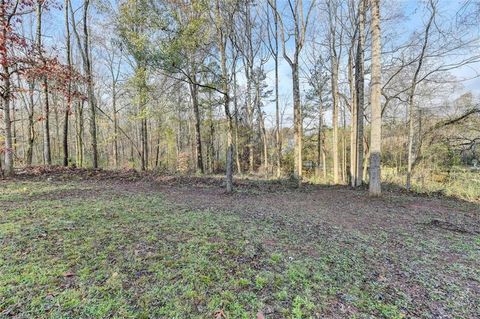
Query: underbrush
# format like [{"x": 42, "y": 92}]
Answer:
[{"x": 458, "y": 182}]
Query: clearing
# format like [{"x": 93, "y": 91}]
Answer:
[{"x": 92, "y": 244}]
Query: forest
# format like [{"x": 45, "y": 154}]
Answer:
[
  {"x": 258, "y": 88},
  {"x": 239, "y": 158}
]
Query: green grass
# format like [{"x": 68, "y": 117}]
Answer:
[{"x": 135, "y": 255}]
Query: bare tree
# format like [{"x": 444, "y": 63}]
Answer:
[
  {"x": 298, "y": 30},
  {"x": 376, "y": 130}
]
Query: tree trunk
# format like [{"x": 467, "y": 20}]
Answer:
[
  {"x": 297, "y": 122},
  {"x": 278, "y": 140},
  {"x": 319, "y": 139},
  {"x": 46, "y": 108},
  {"x": 221, "y": 41},
  {"x": 353, "y": 125},
  {"x": 335, "y": 99},
  {"x": 235, "y": 105},
  {"x": 411, "y": 104},
  {"x": 69, "y": 88},
  {"x": 46, "y": 125},
  {"x": 360, "y": 95},
  {"x": 31, "y": 124},
  {"x": 376, "y": 133},
  {"x": 8, "y": 150},
  {"x": 115, "y": 124},
  {"x": 90, "y": 89},
  {"x": 196, "y": 111},
  {"x": 79, "y": 134}
]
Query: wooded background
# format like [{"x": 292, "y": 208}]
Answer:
[{"x": 313, "y": 90}]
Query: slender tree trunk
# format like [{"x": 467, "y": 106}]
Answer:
[
  {"x": 277, "y": 102},
  {"x": 320, "y": 163},
  {"x": 278, "y": 139},
  {"x": 297, "y": 122},
  {"x": 353, "y": 126},
  {"x": 46, "y": 126},
  {"x": 376, "y": 133},
  {"x": 79, "y": 134},
  {"x": 235, "y": 105},
  {"x": 411, "y": 103},
  {"x": 249, "y": 109},
  {"x": 31, "y": 124},
  {"x": 8, "y": 150},
  {"x": 46, "y": 108},
  {"x": 90, "y": 89},
  {"x": 115, "y": 124},
  {"x": 261, "y": 124},
  {"x": 221, "y": 39},
  {"x": 69, "y": 88},
  {"x": 360, "y": 95},
  {"x": 198, "y": 139},
  {"x": 335, "y": 99}
]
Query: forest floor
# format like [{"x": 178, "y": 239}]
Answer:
[{"x": 97, "y": 244}]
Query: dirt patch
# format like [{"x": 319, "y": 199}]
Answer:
[
  {"x": 313, "y": 205},
  {"x": 444, "y": 225}
]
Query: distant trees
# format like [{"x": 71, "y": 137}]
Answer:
[{"x": 200, "y": 86}]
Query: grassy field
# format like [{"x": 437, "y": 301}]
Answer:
[{"x": 95, "y": 249}]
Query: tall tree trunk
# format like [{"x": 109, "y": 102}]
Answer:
[
  {"x": 115, "y": 124},
  {"x": 335, "y": 99},
  {"x": 31, "y": 124},
  {"x": 235, "y": 106},
  {"x": 47, "y": 157},
  {"x": 320, "y": 162},
  {"x": 90, "y": 89},
  {"x": 353, "y": 125},
  {"x": 79, "y": 134},
  {"x": 69, "y": 88},
  {"x": 278, "y": 141},
  {"x": 249, "y": 109},
  {"x": 8, "y": 150},
  {"x": 376, "y": 133},
  {"x": 360, "y": 95},
  {"x": 297, "y": 122},
  {"x": 198, "y": 138},
  {"x": 411, "y": 104},
  {"x": 222, "y": 43},
  {"x": 261, "y": 124}
]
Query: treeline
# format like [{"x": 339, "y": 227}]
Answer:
[{"x": 334, "y": 89}]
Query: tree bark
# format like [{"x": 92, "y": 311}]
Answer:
[
  {"x": 278, "y": 140},
  {"x": 335, "y": 99},
  {"x": 297, "y": 122},
  {"x": 90, "y": 89},
  {"x": 360, "y": 95},
  {"x": 8, "y": 150},
  {"x": 235, "y": 106},
  {"x": 221, "y": 42},
  {"x": 376, "y": 132},
  {"x": 47, "y": 157},
  {"x": 69, "y": 88},
  {"x": 198, "y": 138},
  {"x": 31, "y": 124}
]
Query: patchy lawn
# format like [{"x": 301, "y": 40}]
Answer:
[{"x": 169, "y": 248}]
